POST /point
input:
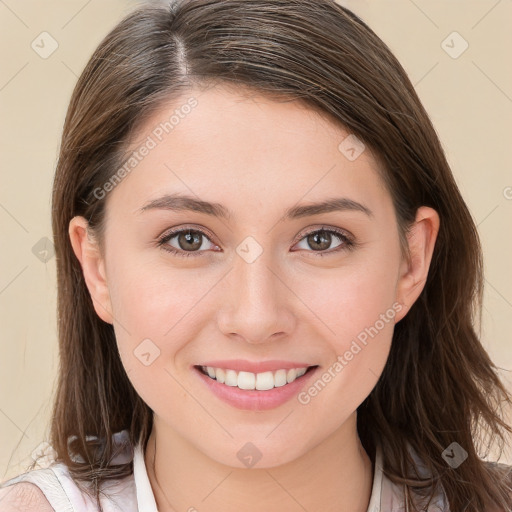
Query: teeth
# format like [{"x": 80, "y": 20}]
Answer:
[
  {"x": 260, "y": 381},
  {"x": 220, "y": 375},
  {"x": 231, "y": 378}
]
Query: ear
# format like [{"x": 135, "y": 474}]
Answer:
[
  {"x": 421, "y": 239},
  {"x": 87, "y": 251}
]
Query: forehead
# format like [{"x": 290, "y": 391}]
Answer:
[{"x": 237, "y": 146}]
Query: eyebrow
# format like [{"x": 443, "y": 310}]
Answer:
[{"x": 180, "y": 202}]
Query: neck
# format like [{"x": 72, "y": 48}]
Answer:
[{"x": 336, "y": 475}]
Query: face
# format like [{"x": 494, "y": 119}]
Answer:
[{"x": 255, "y": 283}]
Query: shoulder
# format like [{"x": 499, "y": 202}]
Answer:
[
  {"x": 503, "y": 473},
  {"x": 23, "y": 497},
  {"x": 500, "y": 468}
]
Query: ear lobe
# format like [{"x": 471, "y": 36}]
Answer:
[
  {"x": 413, "y": 272},
  {"x": 87, "y": 251}
]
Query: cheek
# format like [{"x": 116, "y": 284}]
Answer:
[
  {"x": 154, "y": 300},
  {"x": 355, "y": 295},
  {"x": 154, "y": 320},
  {"x": 158, "y": 311},
  {"x": 358, "y": 350},
  {"x": 342, "y": 386},
  {"x": 357, "y": 307}
]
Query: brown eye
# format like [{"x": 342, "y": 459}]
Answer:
[
  {"x": 320, "y": 241},
  {"x": 189, "y": 240},
  {"x": 185, "y": 242}
]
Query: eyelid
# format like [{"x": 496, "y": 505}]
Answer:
[
  {"x": 175, "y": 231},
  {"x": 322, "y": 227},
  {"x": 172, "y": 232},
  {"x": 348, "y": 241}
]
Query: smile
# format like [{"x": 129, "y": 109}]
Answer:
[{"x": 249, "y": 381}]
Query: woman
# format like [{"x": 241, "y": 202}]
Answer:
[{"x": 267, "y": 278}]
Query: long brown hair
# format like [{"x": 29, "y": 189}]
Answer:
[{"x": 439, "y": 385}]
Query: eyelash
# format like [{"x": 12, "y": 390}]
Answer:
[{"x": 348, "y": 244}]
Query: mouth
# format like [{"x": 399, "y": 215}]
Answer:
[{"x": 250, "y": 381}]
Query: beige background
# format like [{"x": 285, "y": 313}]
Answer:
[{"x": 469, "y": 99}]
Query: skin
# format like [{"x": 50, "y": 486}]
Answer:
[{"x": 257, "y": 157}]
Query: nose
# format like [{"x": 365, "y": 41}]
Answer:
[{"x": 257, "y": 305}]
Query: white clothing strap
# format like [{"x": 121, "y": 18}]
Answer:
[{"x": 49, "y": 484}]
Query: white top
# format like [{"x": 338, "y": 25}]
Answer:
[{"x": 134, "y": 493}]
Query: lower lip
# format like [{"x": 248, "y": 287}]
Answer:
[{"x": 253, "y": 399}]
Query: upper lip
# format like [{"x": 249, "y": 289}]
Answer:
[{"x": 242, "y": 365}]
